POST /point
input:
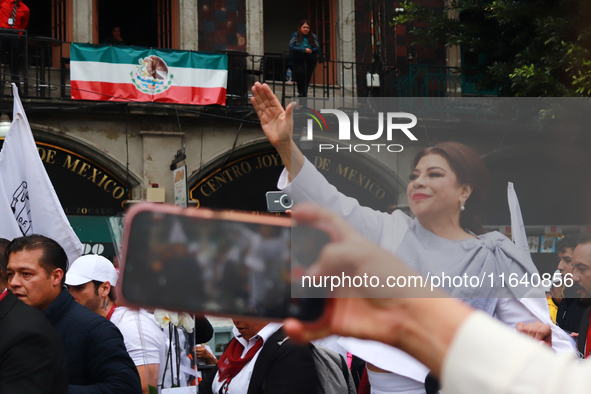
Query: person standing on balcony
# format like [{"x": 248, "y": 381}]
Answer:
[
  {"x": 115, "y": 37},
  {"x": 304, "y": 49},
  {"x": 14, "y": 15}
]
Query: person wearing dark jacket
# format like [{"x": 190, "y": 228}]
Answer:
[
  {"x": 570, "y": 311},
  {"x": 571, "y": 308},
  {"x": 262, "y": 360},
  {"x": 303, "y": 48},
  {"x": 97, "y": 359},
  {"x": 32, "y": 357}
]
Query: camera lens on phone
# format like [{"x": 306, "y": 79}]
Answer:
[{"x": 286, "y": 201}]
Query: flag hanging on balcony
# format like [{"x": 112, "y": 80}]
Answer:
[{"x": 119, "y": 73}]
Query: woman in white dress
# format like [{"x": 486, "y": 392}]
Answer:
[{"x": 445, "y": 191}]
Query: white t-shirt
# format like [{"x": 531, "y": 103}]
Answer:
[{"x": 142, "y": 336}]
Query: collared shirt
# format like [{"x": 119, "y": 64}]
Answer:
[
  {"x": 21, "y": 19},
  {"x": 3, "y": 294},
  {"x": 239, "y": 383}
]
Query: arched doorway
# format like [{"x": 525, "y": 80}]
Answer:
[{"x": 241, "y": 181}]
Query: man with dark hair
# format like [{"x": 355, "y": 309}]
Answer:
[
  {"x": 582, "y": 279},
  {"x": 32, "y": 357},
  {"x": 570, "y": 309},
  {"x": 97, "y": 359},
  {"x": 565, "y": 247}
]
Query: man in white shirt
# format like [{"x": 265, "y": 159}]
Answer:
[
  {"x": 91, "y": 280},
  {"x": 261, "y": 359},
  {"x": 468, "y": 350}
]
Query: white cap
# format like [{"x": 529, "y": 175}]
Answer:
[{"x": 91, "y": 267}]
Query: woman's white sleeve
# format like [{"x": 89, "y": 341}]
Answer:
[
  {"x": 529, "y": 310},
  {"x": 487, "y": 357},
  {"x": 310, "y": 185}
]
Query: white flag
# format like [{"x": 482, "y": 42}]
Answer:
[
  {"x": 28, "y": 203},
  {"x": 517, "y": 227}
]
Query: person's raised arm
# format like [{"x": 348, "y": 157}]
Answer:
[{"x": 277, "y": 125}]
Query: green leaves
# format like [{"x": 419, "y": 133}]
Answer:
[{"x": 522, "y": 47}]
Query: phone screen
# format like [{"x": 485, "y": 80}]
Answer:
[{"x": 218, "y": 266}]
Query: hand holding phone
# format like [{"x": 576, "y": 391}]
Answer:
[{"x": 217, "y": 262}]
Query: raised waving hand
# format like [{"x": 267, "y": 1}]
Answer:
[{"x": 277, "y": 125}]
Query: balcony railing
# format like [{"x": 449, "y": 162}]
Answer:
[
  {"x": 330, "y": 78},
  {"x": 42, "y": 71},
  {"x": 420, "y": 80},
  {"x": 30, "y": 62}
]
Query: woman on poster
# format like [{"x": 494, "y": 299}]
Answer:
[{"x": 446, "y": 189}]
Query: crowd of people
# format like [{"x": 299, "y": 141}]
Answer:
[
  {"x": 61, "y": 329},
  {"x": 73, "y": 339}
]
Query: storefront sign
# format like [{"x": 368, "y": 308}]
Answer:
[
  {"x": 180, "y": 186},
  {"x": 82, "y": 186},
  {"x": 242, "y": 184}
]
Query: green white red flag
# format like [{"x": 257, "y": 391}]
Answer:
[{"x": 122, "y": 73}]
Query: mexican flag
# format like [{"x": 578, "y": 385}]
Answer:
[{"x": 122, "y": 73}]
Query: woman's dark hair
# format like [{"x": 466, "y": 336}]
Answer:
[
  {"x": 301, "y": 36},
  {"x": 470, "y": 170}
]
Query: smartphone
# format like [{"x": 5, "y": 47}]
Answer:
[
  {"x": 220, "y": 263},
  {"x": 278, "y": 202}
]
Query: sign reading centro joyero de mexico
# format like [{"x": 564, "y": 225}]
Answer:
[{"x": 242, "y": 183}]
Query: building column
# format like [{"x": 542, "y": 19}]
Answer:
[
  {"x": 188, "y": 25},
  {"x": 159, "y": 148},
  {"x": 255, "y": 44},
  {"x": 82, "y": 18},
  {"x": 345, "y": 10}
]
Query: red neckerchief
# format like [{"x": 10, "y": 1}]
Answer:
[
  {"x": 230, "y": 363},
  {"x": 111, "y": 311},
  {"x": 588, "y": 344},
  {"x": 3, "y": 294}
]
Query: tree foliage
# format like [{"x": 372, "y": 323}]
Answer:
[{"x": 521, "y": 47}]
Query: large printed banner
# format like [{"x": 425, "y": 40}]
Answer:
[{"x": 122, "y": 73}]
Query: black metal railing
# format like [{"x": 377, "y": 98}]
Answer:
[
  {"x": 38, "y": 66},
  {"x": 329, "y": 78},
  {"x": 33, "y": 63},
  {"x": 422, "y": 80}
]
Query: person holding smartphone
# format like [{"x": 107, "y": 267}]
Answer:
[{"x": 469, "y": 351}]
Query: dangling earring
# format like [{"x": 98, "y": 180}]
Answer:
[{"x": 462, "y": 206}]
